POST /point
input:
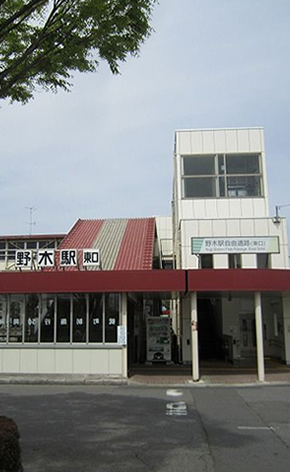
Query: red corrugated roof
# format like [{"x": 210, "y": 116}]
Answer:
[
  {"x": 136, "y": 251},
  {"x": 128, "y": 245},
  {"x": 82, "y": 234}
]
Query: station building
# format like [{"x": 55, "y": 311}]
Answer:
[{"x": 209, "y": 282}]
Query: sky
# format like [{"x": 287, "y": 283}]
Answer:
[{"x": 105, "y": 150}]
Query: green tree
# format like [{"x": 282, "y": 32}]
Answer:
[{"x": 42, "y": 42}]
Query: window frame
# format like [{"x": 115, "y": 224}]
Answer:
[
  {"x": 18, "y": 333},
  {"x": 222, "y": 177}
]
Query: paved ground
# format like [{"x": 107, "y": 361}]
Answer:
[
  {"x": 210, "y": 374},
  {"x": 88, "y": 428}
]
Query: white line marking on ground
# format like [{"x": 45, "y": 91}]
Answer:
[
  {"x": 174, "y": 393},
  {"x": 256, "y": 428}
]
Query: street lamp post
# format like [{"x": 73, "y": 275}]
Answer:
[{"x": 277, "y": 218}]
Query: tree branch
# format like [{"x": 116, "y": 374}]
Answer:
[
  {"x": 2, "y": 2},
  {"x": 43, "y": 41},
  {"x": 42, "y": 57},
  {"x": 39, "y": 39},
  {"x": 25, "y": 11}
]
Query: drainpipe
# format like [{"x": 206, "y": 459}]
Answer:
[
  {"x": 124, "y": 347},
  {"x": 194, "y": 337},
  {"x": 259, "y": 335}
]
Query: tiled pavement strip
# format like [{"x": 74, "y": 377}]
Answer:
[{"x": 211, "y": 375}]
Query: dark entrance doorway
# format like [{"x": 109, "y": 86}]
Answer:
[{"x": 210, "y": 332}]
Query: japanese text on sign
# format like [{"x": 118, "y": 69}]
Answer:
[
  {"x": 23, "y": 258},
  {"x": 235, "y": 245},
  {"x": 122, "y": 335},
  {"x": 68, "y": 257},
  {"x": 46, "y": 258},
  {"x": 91, "y": 257}
]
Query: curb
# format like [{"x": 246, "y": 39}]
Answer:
[
  {"x": 68, "y": 380},
  {"x": 115, "y": 381}
]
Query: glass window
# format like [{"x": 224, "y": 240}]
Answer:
[
  {"x": 95, "y": 318},
  {"x": 222, "y": 187},
  {"x": 235, "y": 261},
  {"x": 221, "y": 164},
  {"x": 167, "y": 264},
  {"x": 12, "y": 246},
  {"x": 11, "y": 251},
  {"x": 79, "y": 318},
  {"x": 200, "y": 187},
  {"x": 112, "y": 307},
  {"x": 246, "y": 186},
  {"x": 31, "y": 318},
  {"x": 43, "y": 244},
  {"x": 31, "y": 245},
  {"x": 2, "y": 250},
  {"x": 3, "y": 318},
  {"x": 198, "y": 165},
  {"x": 263, "y": 261},
  {"x": 63, "y": 318},
  {"x": 243, "y": 164},
  {"x": 206, "y": 261},
  {"x": 232, "y": 176},
  {"x": 47, "y": 318},
  {"x": 16, "y": 316}
]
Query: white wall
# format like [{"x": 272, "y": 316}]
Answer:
[
  {"x": 236, "y": 227},
  {"x": 215, "y": 141},
  {"x": 36, "y": 360},
  {"x": 164, "y": 234},
  {"x": 223, "y": 208},
  {"x": 190, "y": 142}
]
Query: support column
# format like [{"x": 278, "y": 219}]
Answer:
[
  {"x": 194, "y": 337},
  {"x": 124, "y": 347},
  {"x": 259, "y": 336}
]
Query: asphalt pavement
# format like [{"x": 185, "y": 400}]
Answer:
[{"x": 120, "y": 428}]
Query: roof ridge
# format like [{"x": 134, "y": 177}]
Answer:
[{"x": 117, "y": 218}]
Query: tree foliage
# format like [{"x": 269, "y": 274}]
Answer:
[{"x": 42, "y": 42}]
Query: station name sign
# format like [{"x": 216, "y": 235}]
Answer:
[
  {"x": 240, "y": 245},
  {"x": 47, "y": 258}
]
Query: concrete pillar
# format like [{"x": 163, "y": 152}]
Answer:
[
  {"x": 194, "y": 337},
  {"x": 124, "y": 323},
  {"x": 259, "y": 336}
]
